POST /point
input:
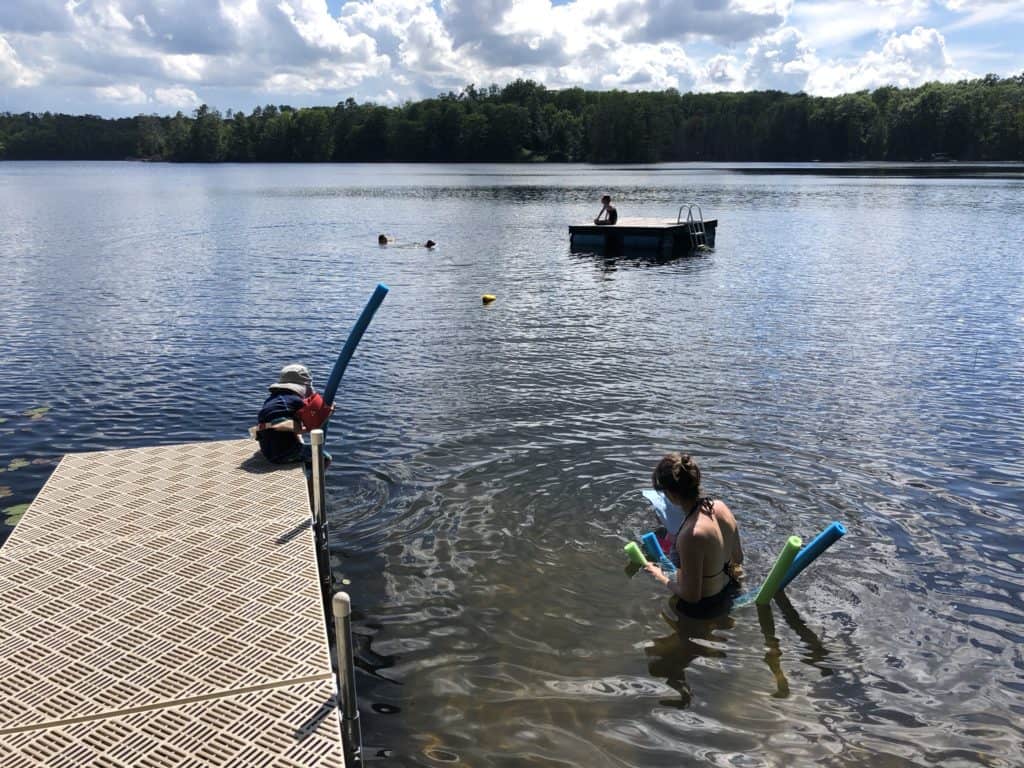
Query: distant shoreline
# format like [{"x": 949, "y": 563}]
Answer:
[
  {"x": 1012, "y": 168},
  {"x": 968, "y": 121}
]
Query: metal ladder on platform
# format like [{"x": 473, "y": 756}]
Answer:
[{"x": 694, "y": 225}]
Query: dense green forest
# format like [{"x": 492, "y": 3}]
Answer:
[{"x": 523, "y": 121}]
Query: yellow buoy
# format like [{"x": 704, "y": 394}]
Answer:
[{"x": 488, "y": 298}]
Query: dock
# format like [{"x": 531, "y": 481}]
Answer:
[
  {"x": 164, "y": 607},
  {"x": 659, "y": 237}
]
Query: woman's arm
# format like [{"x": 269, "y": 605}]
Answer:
[
  {"x": 736, "y": 556},
  {"x": 687, "y": 583}
]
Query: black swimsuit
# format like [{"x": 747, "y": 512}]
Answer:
[
  {"x": 711, "y": 606},
  {"x": 718, "y": 603}
]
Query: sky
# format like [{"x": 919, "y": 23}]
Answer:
[{"x": 127, "y": 57}]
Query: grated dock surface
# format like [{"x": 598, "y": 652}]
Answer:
[{"x": 161, "y": 606}]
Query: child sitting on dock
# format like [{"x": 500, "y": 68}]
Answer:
[
  {"x": 608, "y": 215},
  {"x": 293, "y": 407}
]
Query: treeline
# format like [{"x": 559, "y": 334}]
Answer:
[{"x": 524, "y": 121}]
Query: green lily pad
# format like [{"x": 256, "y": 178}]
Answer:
[
  {"x": 17, "y": 464},
  {"x": 37, "y": 413},
  {"x": 13, "y": 514}
]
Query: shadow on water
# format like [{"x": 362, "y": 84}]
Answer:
[
  {"x": 613, "y": 259},
  {"x": 773, "y": 648},
  {"x": 692, "y": 639}
]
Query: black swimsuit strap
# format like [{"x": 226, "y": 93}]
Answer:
[
  {"x": 725, "y": 569},
  {"x": 698, "y": 505},
  {"x": 701, "y": 503}
]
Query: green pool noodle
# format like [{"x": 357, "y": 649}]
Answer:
[
  {"x": 635, "y": 555},
  {"x": 778, "y": 572}
]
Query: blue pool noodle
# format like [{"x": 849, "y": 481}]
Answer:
[
  {"x": 806, "y": 556},
  {"x": 653, "y": 547},
  {"x": 353, "y": 341}
]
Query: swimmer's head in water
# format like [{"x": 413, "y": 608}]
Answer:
[
  {"x": 382, "y": 239},
  {"x": 677, "y": 474},
  {"x": 430, "y": 244}
]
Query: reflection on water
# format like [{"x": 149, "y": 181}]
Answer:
[
  {"x": 846, "y": 353},
  {"x": 708, "y": 639}
]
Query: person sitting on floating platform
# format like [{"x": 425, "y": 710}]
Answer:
[
  {"x": 608, "y": 215},
  {"x": 707, "y": 542}
]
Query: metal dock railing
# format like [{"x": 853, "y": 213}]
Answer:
[{"x": 163, "y": 607}]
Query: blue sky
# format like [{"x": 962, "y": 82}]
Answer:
[{"x": 125, "y": 57}]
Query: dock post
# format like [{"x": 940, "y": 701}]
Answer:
[
  {"x": 316, "y": 439},
  {"x": 319, "y": 488},
  {"x": 345, "y": 678}
]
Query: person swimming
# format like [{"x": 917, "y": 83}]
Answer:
[
  {"x": 707, "y": 542},
  {"x": 383, "y": 239}
]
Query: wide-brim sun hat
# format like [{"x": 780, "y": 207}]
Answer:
[{"x": 293, "y": 378}]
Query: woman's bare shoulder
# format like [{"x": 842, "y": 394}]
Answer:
[{"x": 723, "y": 513}]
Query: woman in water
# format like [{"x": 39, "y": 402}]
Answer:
[{"x": 708, "y": 541}]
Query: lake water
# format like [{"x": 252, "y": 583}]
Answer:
[{"x": 852, "y": 350}]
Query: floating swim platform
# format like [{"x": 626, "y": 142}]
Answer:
[{"x": 662, "y": 237}]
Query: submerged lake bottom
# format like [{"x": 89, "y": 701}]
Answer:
[{"x": 844, "y": 353}]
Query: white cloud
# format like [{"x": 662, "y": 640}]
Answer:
[
  {"x": 780, "y": 61},
  {"x": 141, "y": 23},
  {"x": 650, "y": 67},
  {"x": 177, "y": 97},
  {"x": 12, "y": 72},
  {"x": 388, "y": 98},
  {"x": 904, "y": 60},
  {"x": 985, "y": 12},
  {"x": 784, "y": 60},
  {"x": 722, "y": 73},
  {"x": 836, "y": 22},
  {"x": 121, "y": 94},
  {"x": 727, "y": 21},
  {"x": 320, "y": 31},
  {"x": 184, "y": 66},
  {"x": 110, "y": 17}
]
